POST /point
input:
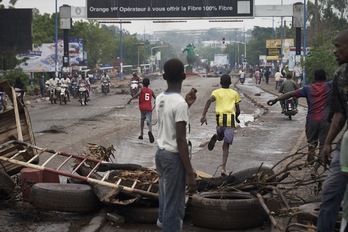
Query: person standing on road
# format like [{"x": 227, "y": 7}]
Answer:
[
  {"x": 227, "y": 111},
  {"x": 257, "y": 76},
  {"x": 145, "y": 96},
  {"x": 318, "y": 102},
  {"x": 172, "y": 157},
  {"x": 278, "y": 79},
  {"x": 287, "y": 86},
  {"x": 42, "y": 82},
  {"x": 20, "y": 88},
  {"x": 335, "y": 183},
  {"x": 267, "y": 74}
]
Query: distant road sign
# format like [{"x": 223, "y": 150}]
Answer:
[
  {"x": 175, "y": 9},
  {"x": 273, "y": 10}
]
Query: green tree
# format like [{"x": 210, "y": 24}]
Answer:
[
  {"x": 326, "y": 18},
  {"x": 44, "y": 28},
  {"x": 321, "y": 57},
  {"x": 257, "y": 45}
]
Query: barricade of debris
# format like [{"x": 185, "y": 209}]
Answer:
[{"x": 131, "y": 190}]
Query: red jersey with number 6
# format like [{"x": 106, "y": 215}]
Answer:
[{"x": 145, "y": 99}]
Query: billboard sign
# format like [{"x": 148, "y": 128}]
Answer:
[
  {"x": 272, "y": 44},
  {"x": 175, "y": 9},
  {"x": 221, "y": 59},
  {"x": 16, "y": 29},
  {"x": 43, "y": 58}
]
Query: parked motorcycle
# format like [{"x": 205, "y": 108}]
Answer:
[
  {"x": 134, "y": 88},
  {"x": 83, "y": 98},
  {"x": 289, "y": 108},
  {"x": 105, "y": 87},
  {"x": 63, "y": 94}
]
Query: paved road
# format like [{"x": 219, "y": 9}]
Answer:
[{"x": 265, "y": 135}]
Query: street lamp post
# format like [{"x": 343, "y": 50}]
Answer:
[
  {"x": 138, "y": 45},
  {"x": 121, "y": 53},
  {"x": 239, "y": 42},
  {"x": 56, "y": 40},
  {"x": 304, "y": 41}
]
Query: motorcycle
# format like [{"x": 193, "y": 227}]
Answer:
[
  {"x": 289, "y": 107},
  {"x": 53, "y": 95},
  {"x": 83, "y": 99},
  {"x": 105, "y": 87},
  {"x": 74, "y": 89},
  {"x": 134, "y": 88},
  {"x": 63, "y": 94},
  {"x": 242, "y": 79}
]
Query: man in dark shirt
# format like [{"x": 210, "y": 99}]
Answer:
[
  {"x": 318, "y": 102},
  {"x": 335, "y": 183}
]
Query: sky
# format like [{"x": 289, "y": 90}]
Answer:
[{"x": 48, "y": 6}]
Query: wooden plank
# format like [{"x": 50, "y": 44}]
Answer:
[
  {"x": 17, "y": 117},
  {"x": 29, "y": 128}
]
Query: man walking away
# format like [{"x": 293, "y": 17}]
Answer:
[{"x": 145, "y": 96}]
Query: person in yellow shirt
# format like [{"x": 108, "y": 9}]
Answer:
[{"x": 226, "y": 114}]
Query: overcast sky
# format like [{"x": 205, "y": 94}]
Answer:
[{"x": 48, "y": 6}]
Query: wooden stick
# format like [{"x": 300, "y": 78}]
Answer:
[{"x": 269, "y": 213}]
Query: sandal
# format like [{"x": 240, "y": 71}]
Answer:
[
  {"x": 212, "y": 142},
  {"x": 151, "y": 138}
]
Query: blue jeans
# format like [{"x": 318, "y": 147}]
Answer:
[
  {"x": 172, "y": 178},
  {"x": 332, "y": 196}
]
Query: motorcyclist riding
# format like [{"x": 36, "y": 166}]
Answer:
[
  {"x": 134, "y": 84},
  {"x": 52, "y": 83},
  {"x": 135, "y": 77},
  {"x": 66, "y": 81},
  {"x": 287, "y": 86},
  {"x": 82, "y": 81},
  {"x": 105, "y": 78},
  {"x": 242, "y": 76},
  {"x": 73, "y": 85}
]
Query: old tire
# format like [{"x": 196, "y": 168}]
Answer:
[
  {"x": 144, "y": 211},
  {"x": 7, "y": 185},
  {"x": 234, "y": 179},
  {"x": 140, "y": 214},
  {"x": 75, "y": 198},
  {"x": 227, "y": 210},
  {"x": 205, "y": 184},
  {"x": 243, "y": 175}
]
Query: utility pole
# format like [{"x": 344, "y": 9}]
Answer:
[
  {"x": 56, "y": 40},
  {"x": 65, "y": 24}
]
